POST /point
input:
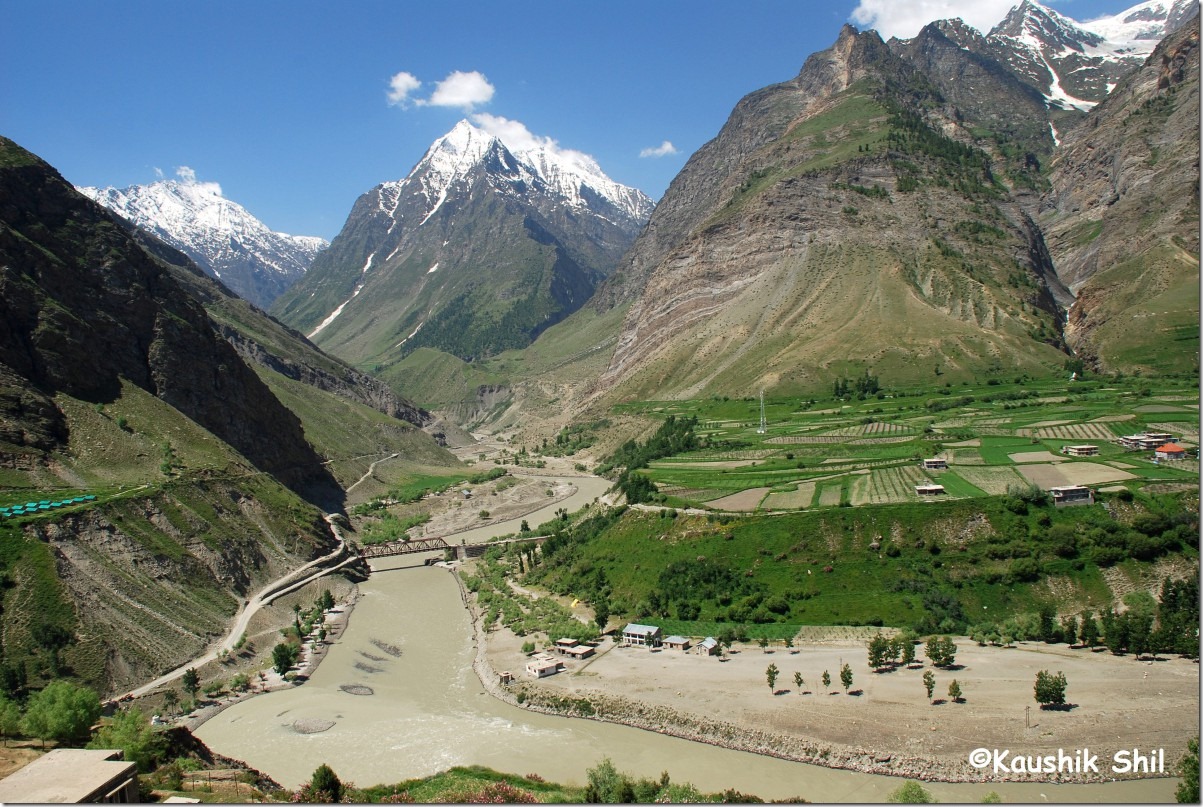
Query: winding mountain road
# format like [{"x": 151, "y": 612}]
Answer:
[{"x": 277, "y": 588}]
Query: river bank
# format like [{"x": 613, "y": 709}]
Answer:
[{"x": 725, "y": 704}]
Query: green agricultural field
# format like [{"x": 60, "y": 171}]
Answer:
[{"x": 867, "y": 452}]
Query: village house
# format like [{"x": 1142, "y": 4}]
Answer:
[
  {"x": 935, "y": 464},
  {"x": 1148, "y": 441},
  {"x": 1170, "y": 451},
  {"x": 573, "y": 648},
  {"x": 676, "y": 643},
  {"x": 709, "y": 647},
  {"x": 929, "y": 490},
  {"x": 641, "y": 635},
  {"x": 1080, "y": 451},
  {"x": 73, "y": 776},
  {"x": 1070, "y": 495},
  {"x": 543, "y": 665}
]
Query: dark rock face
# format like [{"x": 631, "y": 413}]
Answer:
[{"x": 82, "y": 306}]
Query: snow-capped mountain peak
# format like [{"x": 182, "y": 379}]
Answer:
[
  {"x": 220, "y": 235},
  {"x": 571, "y": 175},
  {"x": 1075, "y": 65},
  {"x": 1144, "y": 25}
]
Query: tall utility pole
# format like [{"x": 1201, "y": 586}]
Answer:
[{"x": 763, "y": 425}]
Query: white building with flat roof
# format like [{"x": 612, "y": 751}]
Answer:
[{"x": 73, "y": 776}]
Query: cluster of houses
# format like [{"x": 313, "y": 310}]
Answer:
[
  {"x": 1160, "y": 443},
  {"x": 542, "y": 665},
  {"x": 650, "y": 636}
]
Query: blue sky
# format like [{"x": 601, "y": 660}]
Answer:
[{"x": 287, "y": 106}]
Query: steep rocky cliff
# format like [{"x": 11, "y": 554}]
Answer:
[
  {"x": 1122, "y": 217},
  {"x": 851, "y": 219}
]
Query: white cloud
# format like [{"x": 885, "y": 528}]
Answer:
[
  {"x": 188, "y": 177},
  {"x": 905, "y": 18},
  {"x": 463, "y": 90},
  {"x": 518, "y": 139},
  {"x": 662, "y": 150},
  {"x": 400, "y": 86}
]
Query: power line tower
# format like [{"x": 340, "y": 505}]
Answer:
[{"x": 763, "y": 424}]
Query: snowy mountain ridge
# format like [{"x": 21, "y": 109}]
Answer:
[
  {"x": 1076, "y": 65},
  {"x": 222, "y": 237},
  {"x": 574, "y": 177}
]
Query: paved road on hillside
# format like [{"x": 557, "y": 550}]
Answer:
[{"x": 277, "y": 588}]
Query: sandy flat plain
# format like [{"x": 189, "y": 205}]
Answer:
[{"x": 1119, "y": 702}]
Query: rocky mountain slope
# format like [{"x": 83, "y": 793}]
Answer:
[
  {"x": 848, "y": 220},
  {"x": 479, "y": 249},
  {"x": 221, "y": 236},
  {"x": 115, "y": 381},
  {"x": 85, "y": 308},
  {"x": 1122, "y": 217}
]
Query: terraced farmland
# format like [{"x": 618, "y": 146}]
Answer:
[{"x": 866, "y": 453}]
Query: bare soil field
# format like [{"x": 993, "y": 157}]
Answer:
[
  {"x": 744, "y": 500},
  {"x": 795, "y": 499},
  {"x": 1072, "y": 473},
  {"x": 994, "y": 480},
  {"x": 1034, "y": 456},
  {"x": 1117, "y": 702}
]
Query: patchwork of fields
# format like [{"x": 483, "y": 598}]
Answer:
[{"x": 994, "y": 438}]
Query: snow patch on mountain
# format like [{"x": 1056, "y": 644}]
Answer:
[
  {"x": 221, "y": 236},
  {"x": 1142, "y": 26}
]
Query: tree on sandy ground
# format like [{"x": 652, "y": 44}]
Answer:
[
  {"x": 1050, "y": 689},
  {"x": 846, "y": 677},
  {"x": 826, "y": 680},
  {"x": 911, "y": 792},
  {"x": 880, "y": 650},
  {"x": 191, "y": 682},
  {"x": 929, "y": 683},
  {"x": 283, "y": 657},
  {"x": 954, "y": 691},
  {"x": 1088, "y": 633},
  {"x": 62, "y": 711},
  {"x": 941, "y": 651},
  {"x": 770, "y": 674},
  {"x": 764, "y": 644},
  {"x": 799, "y": 682},
  {"x": 171, "y": 699}
]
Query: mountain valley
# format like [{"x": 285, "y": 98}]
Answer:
[{"x": 847, "y": 378}]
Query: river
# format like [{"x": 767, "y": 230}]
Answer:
[{"x": 410, "y": 642}]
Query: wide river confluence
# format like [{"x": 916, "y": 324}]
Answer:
[{"x": 428, "y": 712}]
